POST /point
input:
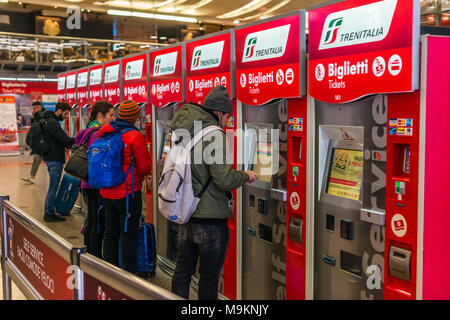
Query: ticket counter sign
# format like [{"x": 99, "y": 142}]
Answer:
[
  {"x": 270, "y": 59},
  {"x": 95, "y": 84},
  {"x": 61, "y": 87},
  {"x": 167, "y": 73},
  {"x": 71, "y": 91},
  {"x": 48, "y": 273},
  {"x": 362, "y": 47},
  {"x": 82, "y": 87},
  {"x": 134, "y": 75},
  {"x": 111, "y": 77},
  {"x": 210, "y": 60}
]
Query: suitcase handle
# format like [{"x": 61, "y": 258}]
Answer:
[{"x": 65, "y": 196}]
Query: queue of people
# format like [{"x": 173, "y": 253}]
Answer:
[{"x": 114, "y": 212}]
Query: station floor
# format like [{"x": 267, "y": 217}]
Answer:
[{"x": 31, "y": 197}]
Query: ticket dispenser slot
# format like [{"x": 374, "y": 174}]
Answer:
[
  {"x": 296, "y": 229},
  {"x": 400, "y": 263}
]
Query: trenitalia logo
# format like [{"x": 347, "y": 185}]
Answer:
[
  {"x": 334, "y": 26},
  {"x": 364, "y": 24},
  {"x": 207, "y": 56},
  {"x": 112, "y": 74},
  {"x": 71, "y": 81},
  {"x": 82, "y": 79},
  {"x": 134, "y": 69},
  {"x": 266, "y": 44},
  {"x": 165, "y": 64},
  {"x": 95, "y": 77}
]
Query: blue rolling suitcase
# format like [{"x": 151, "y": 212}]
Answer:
[{"x": 67, "y": 194}]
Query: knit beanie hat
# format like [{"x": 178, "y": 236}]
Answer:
[
  {"x": 219, "y": 100},
  {"x": 129, "y": 111}
]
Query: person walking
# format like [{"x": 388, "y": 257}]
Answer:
[
  {"x": 121, "y": 225},
  {"x": 37, "y": 159},
  {"x": 56, "y": 157},
  {"x": 102, "y": 112},
  {"x": 205, "y": 236}
]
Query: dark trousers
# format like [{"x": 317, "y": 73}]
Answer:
[
  {"x": 55, "y": 169},
  {"x": 95, "y": 227},
  {"x": 208, "y": 243},
  {"x": 115, "y": 214}
]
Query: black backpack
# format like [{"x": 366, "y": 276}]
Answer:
[
  {"x": 36, "y": 139},
  {"x": 78, "y": 163}
]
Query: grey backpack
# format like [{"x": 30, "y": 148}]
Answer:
[{"x": 176, "y": 199}]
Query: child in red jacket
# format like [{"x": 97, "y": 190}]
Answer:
[{"x": 114, "y": 198}]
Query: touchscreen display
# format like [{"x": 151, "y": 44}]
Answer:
[
  {"x": 262, "y": 164},
  {"x": 344, "y": 179}
]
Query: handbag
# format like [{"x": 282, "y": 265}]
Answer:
[{"x": 78, "y": 164}]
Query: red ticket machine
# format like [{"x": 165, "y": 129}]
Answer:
[
  {"x": 82, "y": 99},
  {"x": 378, "y": 209},
  {"x": 61, "y": 87},
  {"x": 95, "y": 85},
  {"x": 112, "y": 83},
  {"x": 211, "y": 62},
  {"x": 270, "y": 89},
  {"x": 71, "y": 99},
  {"x": 167, "y": 93}
]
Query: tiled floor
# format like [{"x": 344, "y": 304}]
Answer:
[{"x": 31, "y": 197}]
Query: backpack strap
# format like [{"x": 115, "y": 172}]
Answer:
[
  {"x": 200, "y": 194},
  {"x": 200, "y": 134},
  {"x": 86, "y": 140}
]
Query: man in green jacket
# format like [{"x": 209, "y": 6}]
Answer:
[{"x": 205, "y": 236}]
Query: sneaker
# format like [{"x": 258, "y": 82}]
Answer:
[{"x": 53, "y": 218}]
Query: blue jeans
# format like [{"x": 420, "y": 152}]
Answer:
[
  {"x": 208, "y": 242},
  {"x": 55, "y": 169}
]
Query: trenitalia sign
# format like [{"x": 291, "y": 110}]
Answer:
[
  {"x": 167, "y": 75},
  {"x": 210, "y": 61},
  {"x": 270, "y": 59},
  {"x": 95, "y": 84},
  {"x": 135, "y": 78},
  {"x": 362, "y": 47},
  {"x": 61, "y": 87},
  {"x": 111, "y": 78},
  {"x": 82, "y": 88}
]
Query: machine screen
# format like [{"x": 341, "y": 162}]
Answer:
[
  {"x": 165, "y": 147},
  {"x": 344, "y": 178},
  {"x": 262, "y": 163}
]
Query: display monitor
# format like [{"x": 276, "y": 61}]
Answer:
[{"x": 345, "y": 173}]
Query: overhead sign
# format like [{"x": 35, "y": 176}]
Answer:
[
  {"x": 357, "y": 48},
  {"x": 270, "y": 59},
  {"x": 134, "y": 77},
  {"x": 61, "y": 82},
  {"x": 210, "y": 61},
  {"x": 95, "y": 84},
  {"x": 71, "y": 97},
  {"x": 82, "y": 88},
  {"x": 167, "y": 75},
  {"x": 111, "y": 78}
]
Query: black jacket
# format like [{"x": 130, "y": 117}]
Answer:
[{"x": 56, "y": 137}]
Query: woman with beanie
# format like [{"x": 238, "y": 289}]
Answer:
[
  {"x": 102, "y": 112},
  {"x": 114, "y": 199}
]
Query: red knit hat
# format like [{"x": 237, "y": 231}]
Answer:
[{"x": 129, "y": 111}]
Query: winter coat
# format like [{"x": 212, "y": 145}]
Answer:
[{"x": 80, "y": 138}]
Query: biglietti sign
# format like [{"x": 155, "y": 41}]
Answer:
[
  {"x": 135, "y": 78},
  {"x": 270, "y": 59},
  {"x": 362, "y": 47},
  {"x": 210, "y": 60},
  {"x": 95, "y": 84},
  {"x": 62, "y": 87},
  {"x": 82, "y": 88},
  {"x": 71, "y": 81},
  {"x": 111, "y": 78},
  {"x": 166, "y": 75}
]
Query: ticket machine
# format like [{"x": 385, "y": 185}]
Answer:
[
  {"x": 135, "y": 83},
  {"x": 112, "y": 83},
  {"x": 167, "y": 78},
  {"x": 270, "y": 74},
  {"x": 210, "y": 61},
  {"x": 378, "y": 217},
  {"x": 62, "y": 94},
  {"x": 82, "y": 99},
  {"x": 95, "y": 85},
  {"x": 71, "y": 95}
]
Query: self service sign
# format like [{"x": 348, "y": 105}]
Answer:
[
  {"x": 167, "y": 72},
  {"x": 209, "y": 63},
  {"x": 362, "y": 47},
  {"x": 270, "y": 59}
]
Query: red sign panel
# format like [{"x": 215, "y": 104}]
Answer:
[
  {"x": 61, "y": 87},
  {"x": 82, "y": 87},
  {"x": 134, "y": 75},
  {"x": 46, "y": 271},
  {"x": 270, "y": 59},
  {"x": 97, "y": 290},
  {"x": 166, "y": 75},
  {"x": 209, "y": 62},
  {"x": 71, "y": 88},
  {"x": 362, "y": 47},
  {"x": 34, "y": 88},
  {"x": 111, "y": 78},
  {"x": 95, "y": 84}
]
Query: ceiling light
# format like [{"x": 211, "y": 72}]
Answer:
[
  {"x": 151, "y": 16},
  {"x": 255, "y": 4},
  {"x": 3, "y": 1},
  {"x": 153, "y": 37},
  {"x": 119, "y": 13},
  {"x": 74, "y": 0},
  {"x": 162, "y": 38},
  {"x": 274, "y": 8},
  {"x": 236, "y": 21}
]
